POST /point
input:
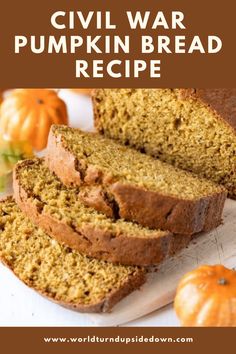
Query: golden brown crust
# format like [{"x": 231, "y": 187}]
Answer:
[
  {"x": 133, "y": 282},
  {"x": 117, "y": 199},
  {"x": 98, "y": 243},
  {"x": 96, "y": 197},
  {"x": 221, "y": 101}
]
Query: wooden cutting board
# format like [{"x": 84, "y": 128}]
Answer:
[{"x": 218, "y": 246}]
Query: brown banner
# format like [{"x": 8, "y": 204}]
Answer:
[
  {"x": 117, "y": 340},
  {"x": 28, "y": 20}
]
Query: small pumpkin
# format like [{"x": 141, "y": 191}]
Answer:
[
  {"x": 206, "y": 296},
  {"x": 27, "y": 115}
]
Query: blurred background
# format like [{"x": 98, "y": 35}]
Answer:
[{"x": 26, "y": 116}]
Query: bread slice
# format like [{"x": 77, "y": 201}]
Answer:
[
  {"x": 122, "y": 182},
  {"x": 57, "y": 272},
  {"x": 60, "y": 212},
  {"x": 193, "y": 129}
]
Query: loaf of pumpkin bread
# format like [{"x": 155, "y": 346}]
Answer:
[
  {"x": 59, "y": 211},
  {"x": 124, "y": 183},
  {"x": 56, "y": 271},
  {"x": 193, "y": 129}
]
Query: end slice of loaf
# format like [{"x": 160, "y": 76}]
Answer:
[
  {"x": 193, "y": 129},
  {"x": 123, "y": 182},
  {"x": 60, "y": 212},
  {"x": 57, "y": 272}
]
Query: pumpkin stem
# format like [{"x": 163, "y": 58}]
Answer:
[
  {"x": 40, "y": 101},
  {"x": 222, "y": 281}
]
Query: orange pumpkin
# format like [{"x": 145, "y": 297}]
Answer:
[
  {"x": 207, "y": 297},
  {"x": 27, "y": 115}
]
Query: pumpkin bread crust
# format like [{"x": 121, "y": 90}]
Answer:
[
  {"x": 192, "y": 129},
  {"x": 60, "y": 213},
  {"x": 118, "y": 198},
  {"x": 58, "y": 273}
]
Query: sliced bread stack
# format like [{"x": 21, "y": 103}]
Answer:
[
  {"x": 94, "y": 213},
  {"x": 124, "y": 183},
  {"x": 56, "y": 271}
]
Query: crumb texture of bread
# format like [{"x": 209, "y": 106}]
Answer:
[
  {"x": 122, "y": 182},
  {"x": 64, "y": 203},
  {"x": 60, "y": 212},
  {"x": 58, "y": 272},
  {"x": 129, "y": 166},
  {"x": 191, "y": 129}
]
